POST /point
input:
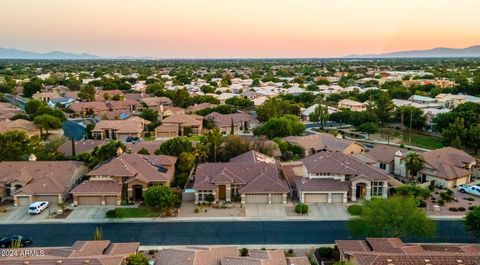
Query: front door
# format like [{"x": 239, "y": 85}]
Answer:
[
  {"x": 222, "y": 194},
  {"x": 138, "y": 192},
  {"x": 361, "y": 190}
]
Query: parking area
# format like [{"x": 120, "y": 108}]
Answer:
[
  {"x": 328, "y": 211},
  {"x": 265, "y": 210},
  {"x": 19, "y": 214},
  {"x": 89, "y": 212}
]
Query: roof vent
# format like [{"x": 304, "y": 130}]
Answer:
[
  {"x": 86, "y": 262},
  {"x": 59, "y": 262},
  {"x": 427, "y": 262},
  {"x": 459, "y": 261}
]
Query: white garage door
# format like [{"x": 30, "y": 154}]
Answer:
[
  {"x": 337, "y": 197},
  {"x": 111, "y": 200},
  {"x": 319, "y": 197},
  {"x": 23, "y": 200},
  {"x": 277, "y": 198},
  {"x": 256, "y": 198},
  {"x": 89, "y": 200},
  {"x": 51, "y": 199}
]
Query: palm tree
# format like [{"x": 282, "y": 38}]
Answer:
[{"x": 413, "y": 163}]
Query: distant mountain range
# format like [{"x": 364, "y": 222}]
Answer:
[
  {"x": 53, "y": 55},
  {"x": 473, "y": 51}
]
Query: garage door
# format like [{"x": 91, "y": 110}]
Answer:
[
  {"x": 111, "y": 200},
  {"x": 277, "y": 198},
  {"x": 337, "y": 197},
  {"x": 256, "y": 198},
  {"x": 23, "y": 200},
  {"x": 311, "y": 197},
  {"x": 89, "y": 200},
  {"x": 51, "y": 199},
  {"x": 461, "y": 181}
]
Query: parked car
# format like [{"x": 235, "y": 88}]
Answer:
[
  {"x": 475, "y": 190},
  {"x": 37, "y": 207},
  {"x": 10, "y": 241}
]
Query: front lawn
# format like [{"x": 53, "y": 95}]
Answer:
[
  {"x": 141, "y": 212},
  {"x": 424, "y": 141}
]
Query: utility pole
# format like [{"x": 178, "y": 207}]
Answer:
[{"x": 410, "y": 134}]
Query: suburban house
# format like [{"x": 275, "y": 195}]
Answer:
[
  {"x": 249, "y": 178},
  {"x": 46, "y": 96},
  {"x": 89, "y": 108},
  {"x": 180, "y": 125},
  {"x": 83, "y": 146},
  {"x": 305, "y": 115},
  {"x": 126, "y": 105},
  {"x": 100, "y": 252},
  {"x": 393, "y": 251},
  {"x": 156, "y": 102},
  {"x": 21, "y": 125},
  {"x": 197, "y": 107},
  {"x": 447, "y": 167},
  {"x": 124, "y": 177},
  {"x": 119, "y": 129},
  {"x": 319, "y": 142},
  {"x": 242, "y": 122},
  {"x": 7, "y": 111},
  {"x": 352, "y": 105},
  {"x": 334, "y": 177},
  {"x": 29, "y": 181},
  {"x": 227, "y": 255},
  {"x": 385, "y": 155}
]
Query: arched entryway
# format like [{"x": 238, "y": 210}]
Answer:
[
  {"x": 361, "y": 190},
  {"x": 137, "y": 192}
]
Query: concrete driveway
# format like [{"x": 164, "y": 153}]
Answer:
[
  {"x": 265, "y": 210},
  {"x": 328, "y": 211},
  {"x": 19, "y": 214},
  {"x": 89, "y": 212}
]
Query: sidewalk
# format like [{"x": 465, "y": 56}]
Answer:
[{"x": 196, "y": 219}]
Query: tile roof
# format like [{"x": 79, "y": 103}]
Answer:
[
  {"x": 195, "y": 256},
  {"x": 97, "y": 187},
  {"x": 183, "y": 119},
  {"x": 257, "y": 173},
  {"x": 384, "y": 251},
  {"x": 320, "y": 184},
  {"x": 84, "y": 146},
  {"x": 120, "y": 126},
  {"x": 385, "y": 153},
  {"x": 156, "y": 101},
  {"x": 342, "y": 164},
  {"x": 96, "y": 106},
  {"x": 447, "y": 163},
  {"x": 143, "y": 167},
  {"x": 41, "y": 177},
  {"x": 320, "y": 141},
  {"x": 150, "y": 146},
  {"x": 82, "y": 252},
  {"x": 225, "y": 120}
]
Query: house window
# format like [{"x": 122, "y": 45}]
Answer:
[
  {"x": 377, "y": 189},
  {"x": 383, "y": 166},
  {"x": 202, "y": 194}
]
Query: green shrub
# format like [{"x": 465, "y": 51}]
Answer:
[
  {"x": 111, "y": 213},
  {"x": 355, "y": 209},
  {"x": 421, "y": 204},
  {"x": 289, "y": 253},
  {"x": 453, "y": 209},
  {"x": 471, "y": 208},
  {"x": 469, "y": 199},
  {"x": 325, "y": 252},
  {"x": 461, "y": 209},
  {"x": 441, "y": 202},
  {"x": 301, "y": 208},
  {"x": 244, "y": 252},
  {"x": 196, "y": 210}
]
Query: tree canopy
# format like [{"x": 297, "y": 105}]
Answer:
[{"x": 393, "y": 217}]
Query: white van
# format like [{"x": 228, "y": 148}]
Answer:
[{"x": 37, "y": 207}]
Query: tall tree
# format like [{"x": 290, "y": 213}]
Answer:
[
  {"x": 15, "y": 146},
  {"x": 320, "y": 114},
  {"x": 472, "y": 221},
  {"x": 47, "y": 122},
  {"x": 87, "y": 93},
  {"x": 393, "y": 217},
  {"x": 413, "y": 163},
  {"x": 383, "y": 108}
]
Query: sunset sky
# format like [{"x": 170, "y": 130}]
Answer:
[{"x": 237, "y": 28}]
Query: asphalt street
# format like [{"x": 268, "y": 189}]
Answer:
[{"x": 215, "y": 233}]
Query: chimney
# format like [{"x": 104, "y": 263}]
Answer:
[
  {"x": 427, "y": 262},
  {"x": 459, "y": 261},
  {"x": 390, "y": 262},
  {"x": 59, "y": 262},
  {"x": 86, "y": 262},
  {"x": 119, "y": 151},
  {"x": 32, "y": 157}
]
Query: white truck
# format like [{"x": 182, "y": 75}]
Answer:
[{"x": 475, "y": 190}]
